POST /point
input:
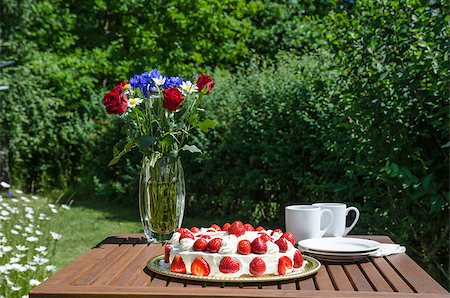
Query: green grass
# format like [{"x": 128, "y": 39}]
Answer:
[{"x": 89, "y": 222}]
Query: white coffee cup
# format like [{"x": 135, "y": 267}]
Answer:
[
  {"x": 340, "y": 212},
  {"x": 303, "y": 221}
]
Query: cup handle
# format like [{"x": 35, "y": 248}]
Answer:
[
  {"x": 330, "y": 214},
  {"x": 348, "y": 229}
]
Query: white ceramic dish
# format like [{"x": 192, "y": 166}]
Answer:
[{"x": 340, "y": 245}]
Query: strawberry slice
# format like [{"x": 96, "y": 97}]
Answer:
[
  {"x": 200, "y": 267},
  {"x": 182, "y": 230},
  {"x": 200, "y": 244},
  {"x": 282, "y": 244},
  {"x": 226, "y": 226},
  {"x": 259, "y": 246},
  {"x": 257, "y": 266},
  {"x": 214, "y": 245},
  {"x": 244, "y": 247},
  {"x": 178, "y": 265},
  {"x": 249, "y": 227},
  {"x": 215, "y": 227},
  {"x": 265, "y": 237},
  {"x": 259, "y": 229},
  {"x": 276, "y": 231},
  {"x": 229, "y": 265},
  {"x": 236, "y": 228},
  {"x": 298, "y": 259},
  {"x": 167, "y": 249},
  {"x": 289, "y": 237},
  {"x": 284, "y": 265}
]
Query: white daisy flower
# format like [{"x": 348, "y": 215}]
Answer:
[
  {"x": 51, "y": 206},
  {"x": 189, "y": 87},
  {"x": 29, "y": 216},
  {"x": 54, "y": 210},
  {"x": 4, "y": 213},
  {"x": 40, "y": 260},
  {"x": 159, "y": 81},
  {"x": 29, "y": 210},
  {"x": 14, "y": 260},
  {"x": 32, "y": 268},
  {"x": 34, "y": 282},
  {"x": 134, "y": 102},
  {"x": 28, "y": 230},
  {"x": 15, "y": 200},
  {"x": 19, "y": 227},
  {"x": 19, "y": 191},
  {"x": 14, "y": 232},
  {"x": 39, "y": 233},
  {"x": 25, "y": 199},
  {"x": 55, "y": 236},
  {"x": 16, "y": 288},
  {"x": 32, "y": 239},
  {"x": 64, "y": 206}
]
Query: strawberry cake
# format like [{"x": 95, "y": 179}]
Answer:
[{"x": 233, "y": 250}]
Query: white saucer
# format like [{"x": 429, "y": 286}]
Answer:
[{"x": 340, "y": 245}]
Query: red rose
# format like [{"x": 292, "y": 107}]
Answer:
[
  {"x": 205, "y": 81},
  {"x": 119, "y": 87},
  {"x": 115, "y": 102},
  {"x": 172, "y": 99}
]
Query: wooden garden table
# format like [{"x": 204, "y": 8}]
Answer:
[{"x": 116, "y": 267}]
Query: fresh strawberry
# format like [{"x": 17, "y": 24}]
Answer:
[
  {"x": 229, "y": 265},
  {"x": 200, "y": 267},
  {"x": 200, "y": 244},
  {"x": 249, "y": 227},
  {"x": 214, "y": 245},
  {"x": 167, "y": 249},
  {"x": 195, "y": 230},
  {"x": 236, "y": 228},
  {"x": 211, "y": 230},
  {"x": 289, "y": 237},
  {"x": 259, "y": 246},
  {"x": 215, "y": 227},
  {"x": 260, "y": 229},
  {"x": 182, "y": 230},
  {"x": 226, "y": 226},
  {"x": 298, "y": 259},
  {"x": 266, "y": 237},
  {"x": 282, "y": 244},
  {"x": 206, "y": 237},
  {"x": 244, "y": 247},
  {"x": 186, "y": 235},
  {"x": 257, "y": 266},
  {"x": 178, "y": 265},
  {"x": 284, "y": 264},
  {"x": 276, "y": 231}
]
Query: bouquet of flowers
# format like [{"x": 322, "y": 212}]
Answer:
[{"x": 161, "y": 111}]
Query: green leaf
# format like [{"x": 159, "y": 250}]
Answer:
[
  {"x": 193, "y": 119},
  {"x": 146, "y": 141},
  {"x": 191, "y": 148},
  {"x": 446, "y": 145},
  {"x": 115, "y": 151},
  {"x": 205, "y": 125},
  {"x": 130, "y": 145},
  {"x": 114, "y": 160}
]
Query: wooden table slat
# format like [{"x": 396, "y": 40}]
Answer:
[
  {"x": 339, "y": 278},
  {"x": 417, "y": 278},
  {"x": 142, "y": 277},
  {"x": 323, "y": 280},
  {"x": 357, "y": 278},
  {"x": 376, "y": 279},
  {"x": 307, "y": 284},
  {"x": 394, "y": 280}
]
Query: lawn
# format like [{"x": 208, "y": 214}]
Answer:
[{"x": 89, "y": 222}]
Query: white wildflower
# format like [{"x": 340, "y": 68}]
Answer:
[
  {"x": 4, "y": 213},
  {"x": 25, "y": 296},
  {"x": 32, "y": 268},
  {"x": 14, "y": 260},
  {"x": 41, "y": 248},
  {"x": 34, "y": 197},
  {"x": 5, "y": 184},
  {"x": 159, "y": 81},
  {"x": 134, "y": 102},
  {"x": 19, "y": 191},
  {"x": 16, "y": 288},
  {"x": 42, "y": 216},
  {"x": 40, "y": 260},
  {"x": 6, "y": 248},
  {"x": 15, "y": 200},
  {"x": 38, "y": 232},
  {"x": 29, "y": 216},
  {"x": 55, "y": 235},
  {"x": 29, "y": 210},
  {"x": 14, "y": 232},
  {"x": 51, "y": 206},
  {"x": 25, "y": 199},
  {"x": 34, "y": 282},
  {"x": 54, "y": 210},
  {"x": 32, "y": 239},
  {"x": 28, "y": 230},
  {"x": 65, "y": 206},
  {"x": 50, "y": 268},
  {"x": 19, "y": 227}
]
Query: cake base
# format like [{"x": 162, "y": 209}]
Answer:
[{"x": 309, "y": 268}]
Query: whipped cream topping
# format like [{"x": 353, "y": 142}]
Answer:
[
  {"x": 175, "y": 240},
  {"x": 272, "y": 248},
  {"x": 229, "y": 245},
  {"x": 186, "y": 244}
]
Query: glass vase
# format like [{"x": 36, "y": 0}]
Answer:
[{"x": 161, "y": 198}]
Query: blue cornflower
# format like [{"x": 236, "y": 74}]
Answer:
[
  {"x": 135, "y": 81},
  {"x": 173, "y": 82}
]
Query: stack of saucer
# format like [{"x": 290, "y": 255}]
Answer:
[{"x": 338, "y": 249}]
